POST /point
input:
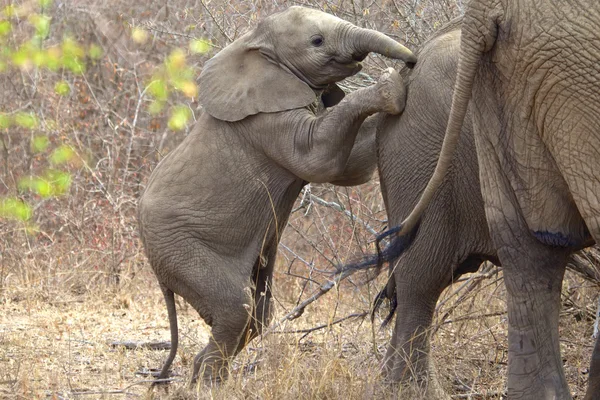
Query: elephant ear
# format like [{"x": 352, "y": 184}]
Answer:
[
  {"x": 332, "y": 95},
  {"x": 241, "y": 81}
]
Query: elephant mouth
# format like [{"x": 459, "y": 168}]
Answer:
[
  {"x": 350, "y": 65},
  {"x": 353, "y": 60}
]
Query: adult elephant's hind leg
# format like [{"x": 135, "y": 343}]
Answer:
[
  {"x": 533, "y": 274},
  {"x": 419, "y": 280},
  {"x": 593, "y": 390}
]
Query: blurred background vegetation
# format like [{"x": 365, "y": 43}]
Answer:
[{"x": 96, "y": 94}]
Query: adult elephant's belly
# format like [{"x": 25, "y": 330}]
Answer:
[{"x": 543, "y": 195}]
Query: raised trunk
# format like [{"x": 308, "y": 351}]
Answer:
[{"x": 368, "y": 40}]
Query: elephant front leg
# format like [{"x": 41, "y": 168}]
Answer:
[{"x": 325, "y": 147}]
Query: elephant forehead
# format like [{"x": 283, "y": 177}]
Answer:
[{"x": 301, "y": 19}]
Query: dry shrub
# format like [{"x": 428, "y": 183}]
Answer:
[{"x": 81, "y": 281}]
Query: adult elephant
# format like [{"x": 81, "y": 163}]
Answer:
[
  {"x": 532, "y": 69},
  {"x": 408, "y": 146},
  {"x": 213, "y": 210}
]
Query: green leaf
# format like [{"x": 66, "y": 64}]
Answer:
[
  {"x": 60, "y": 181},
  {"x": 14, "y": 208},
  {"x": 175, "y": 62},
  {"x": 9, "y": 10},
  {"x": 62, "y": 88},
  {"x": 179, "y": 118},
  {"x": 53, "y": 183},
  {"x": 200, "y": 46},
  {"x": 38, "y": 57},
  {"x": 41, "y": 24},
  {"x": 53, "y": 58},
  {"x": 40, "y": 143},
  {"x": 26, "y": 120},
  {"x": 5, "y": 121},
  {"x": 139, "y": 35},
  {"x": 156, "y": 106},
  {"x": 5, "y": 28},
  {"x": 21, "y": 57},
  {"x": 62, "y": 155},
  {"x": 95, "y": 52},
  {"x": 159, "y": 89},
  {"x": 72, "y": 55},
  {"x": 45, "y": 3}
]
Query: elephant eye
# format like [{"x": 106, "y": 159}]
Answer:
[{"x": 317, "y": 40}]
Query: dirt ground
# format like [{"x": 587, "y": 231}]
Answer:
[{"x": 62, "y": 347}]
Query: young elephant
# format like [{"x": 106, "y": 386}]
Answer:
[
  {"x": 453, "y": 235},
  {"x": 213, "y": 211}
]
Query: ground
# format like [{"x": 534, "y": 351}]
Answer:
[{"x": 63, "y": 347}]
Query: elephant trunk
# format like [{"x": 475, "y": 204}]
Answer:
[{"x": 367, "y": 40}]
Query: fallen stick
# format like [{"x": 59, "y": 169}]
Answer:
[{"x": 130, "y": 345}]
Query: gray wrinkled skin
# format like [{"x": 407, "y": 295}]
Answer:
[
  {"x": 531, "y": 69},
  {"x": 213, "y": 211},
  {"x": 453, "y": 237}
]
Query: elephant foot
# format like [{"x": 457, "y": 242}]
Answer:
[
  {"x": 429, "y": 389},
  {"x": 413, "y": 385},
  {"x": 392, "y": 92},
  {"x": 211, "y": 368}
]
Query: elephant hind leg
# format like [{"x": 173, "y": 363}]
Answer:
[
  {"x": 593, "y": 390},
  {"x": 407, "y": 361},
  {"x": 252, "y": 314},
  {"x": 230, "y": 320},
  {"x": 261, "y": 308},
  {"x": 219, "y": 290}
]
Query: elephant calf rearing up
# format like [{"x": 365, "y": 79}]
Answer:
[{"x": 213, "y": 211}]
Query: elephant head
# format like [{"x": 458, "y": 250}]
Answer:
[{"x": 288, "y": 57}]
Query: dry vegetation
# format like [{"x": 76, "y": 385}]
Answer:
[{"x": 81, "y": 281}]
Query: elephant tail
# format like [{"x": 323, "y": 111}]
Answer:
[
  {"x": 172, "y": 313},
  {"x": 387, "y": 293},
  {"x": 397, "y": 244}
]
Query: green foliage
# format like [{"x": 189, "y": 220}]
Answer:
[
  {"x": 68, "y": 56},
  {"x": 200, "y": 46},
  {"x": 62, "y": 155},
  {"x": 52, "y": 183},
  {"x": 95, "y": 52},
  {"x": 179, "y": 117},
  {"x": 176, "y": 76},
  {"x": 62, "y": 88},
  {"x": 72, "y": 56},
  {"x": 13, "y": 208},
  {"x": 5, "y": 28},
  {"x": 40, "y": 143},
  {"x": 5, "y": 120},
  {"x": 26, "y": 120},
  {"x": 41, "y": 22}
]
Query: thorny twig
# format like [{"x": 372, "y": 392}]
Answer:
[{"x": 299, "y": 309}]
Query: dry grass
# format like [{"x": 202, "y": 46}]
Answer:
[
  {"x": 82, "y": 282},
  {"x": 60, "y": 348}
]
